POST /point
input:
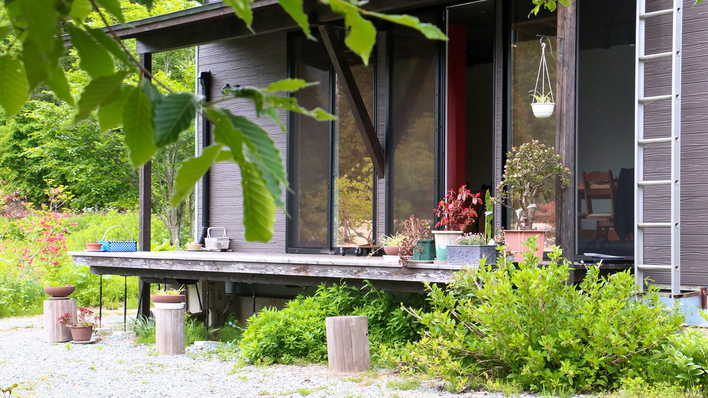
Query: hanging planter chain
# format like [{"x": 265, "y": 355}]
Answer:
[{"x": 544, "y": 76}]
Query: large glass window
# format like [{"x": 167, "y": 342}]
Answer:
[
  {"x": 309, "y": 148},
  {"x": 525, "y": 59},
  {"x": 605, "y": 143},
  {"x": 411, "y": 144},
  {"x": 329, "y": 155}
]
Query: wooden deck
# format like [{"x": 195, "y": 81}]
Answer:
[{"x": 282, "y": 269}]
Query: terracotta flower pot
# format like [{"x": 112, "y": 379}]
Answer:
[
  {"x": 391, "y": 250},
  {"x": 172, "y": 299},
  {"x": 94, "y": 246},
  {"x": 81, "y": 333},
  {"x": 59, "y": 291},
  {"x": 515, "y": 238}
]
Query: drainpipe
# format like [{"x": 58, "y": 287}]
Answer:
[{"x": 205, "y": 82}]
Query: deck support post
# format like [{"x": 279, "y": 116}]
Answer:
[{"x": 145, "y": 213}]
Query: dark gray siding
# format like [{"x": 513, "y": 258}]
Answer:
[
  {"x": 253, "y": 61},
  {"x": 694, "y": 145},
  {"x": 381, "y": 119}
]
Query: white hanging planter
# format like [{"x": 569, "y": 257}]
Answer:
[
  {"x": 543, "y": 110},
  {"x": 543, "y": 102}
]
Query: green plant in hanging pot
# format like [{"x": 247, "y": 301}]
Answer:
[
  {"x": 530, "y": 173},
  {"x": 543, "y": 102}
]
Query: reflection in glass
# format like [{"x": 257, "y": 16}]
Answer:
[
  {"x": 353, "y": 171},
  {"x": 412, "y": 140},
  {"x": 309, "y": 149},
  {"x": 525, "y": 59},
  {"x": 605, "y": 143}
]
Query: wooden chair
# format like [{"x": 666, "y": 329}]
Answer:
[{"x": 600, "y": 185}]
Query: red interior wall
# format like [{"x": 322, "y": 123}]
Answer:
[{"x": 456, "y": 105}]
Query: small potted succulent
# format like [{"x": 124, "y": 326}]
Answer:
[
  {"x": 391, "y": 243},
  {"x": 456, "y": 212},
  {"x": 168, "y": 298},
  {"x": 417, "y": 242},
  {"x": 82, "y": 329},
  {"x": 530, "y": 173}
]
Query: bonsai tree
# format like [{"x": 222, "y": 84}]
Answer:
[
  {"x": 529, "y": 174},
  {"x": 454, "y": 210}
]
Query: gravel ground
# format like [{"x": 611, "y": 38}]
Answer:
[{"x": 117, "y": 367}]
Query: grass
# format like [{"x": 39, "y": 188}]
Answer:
[
  {"x": 638, "y": 388},
  {"x": 304, "y": 391},
  {"x": 403, "y": 385}
]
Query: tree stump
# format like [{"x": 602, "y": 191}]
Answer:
[
  {"x": 348, "y": 344},
  {"x": 54, "y": 332},
  {"x": 169, "y": 330}
]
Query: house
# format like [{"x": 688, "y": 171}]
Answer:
[{"x": 426, "y": 116}]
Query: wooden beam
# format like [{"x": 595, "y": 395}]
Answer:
[
  {"x": 566, "y": 125},
  {"x": 336, "y": 52},
  {"x": 145, "y": 221}
]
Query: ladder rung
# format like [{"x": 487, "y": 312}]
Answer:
[
  {"x": 654, "y": 225},
  {"x": 656, "y": 13},
  {"x": 655, "y": 98},
  {"x": 656, "y": 56},
  {"x": 654, "y": 182},
  {"x": 654, "y": 140},
  {"x": 646, "y": 267}
]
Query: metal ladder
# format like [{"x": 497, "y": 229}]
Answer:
[{"x": 641, "y": 142}]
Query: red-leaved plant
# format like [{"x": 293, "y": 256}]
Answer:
[
  {"x": 454, "y": 210},
  {"x": 414, "y": 231},
  {"x": 84, "y": 319}
]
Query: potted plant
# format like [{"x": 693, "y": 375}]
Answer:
[
  {"x": 391, "y": 243},
  {"x": 82, "y": 329},
  {"x": 168, "y": 298},
  {"x": 415, "y": 234},
  {"x": 542, "y": 104},
  {"x": 470, "y": 249},
  {"x": 456, "y": 213},
  {"x": 59, "y": 291},
  {"x": 530, "y": 173}
]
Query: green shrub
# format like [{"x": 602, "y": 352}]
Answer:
[
  {"x": 526, "y": 325},
  {"x": 298, "y": 331}
]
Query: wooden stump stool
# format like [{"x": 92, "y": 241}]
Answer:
[
  {"x": 169, "y": 329},
  {"x": 54, "y": 332},
  {"x": 348, "y": 344}
]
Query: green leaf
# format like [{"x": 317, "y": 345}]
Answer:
[
  {"x": 41, "y": 19},
  {"x": 137, "y": 126},
  {"x": 295, "y": 10},
  {"x": 34, "y": 60},
  {"x": 226, "y": 134},
  {"x": 151, "y": 91},
  {"x": 4, "y": 30},
  {"x": 95, "y": 60},
  {"x": 242, "y": 9},
  {"x": 289, "y": 85},
  {"x": 697, "y": 2},
  {"x": 361, "y": 34},
  {"x": 264, "y": 154},
  {"x": 101, "y": 91},
  {"x": 111, "y": 115},
  {"x": 111, "y": 45},
  {"x": 113, "y": 7},
  {"x": 56, "y": 80},
  {"x": 258, "y": 205},
  {"x": 429, "y": 30},
  {"x": 173, "y": 115},
  {"x": 191, "y": 171},
  {"x": 14, "y": 87},
  {"x": 80, "y": 9}
]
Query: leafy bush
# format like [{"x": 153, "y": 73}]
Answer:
[
  {"x": 298, "y": 331},
  {"x": 525, "y": 324}
]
